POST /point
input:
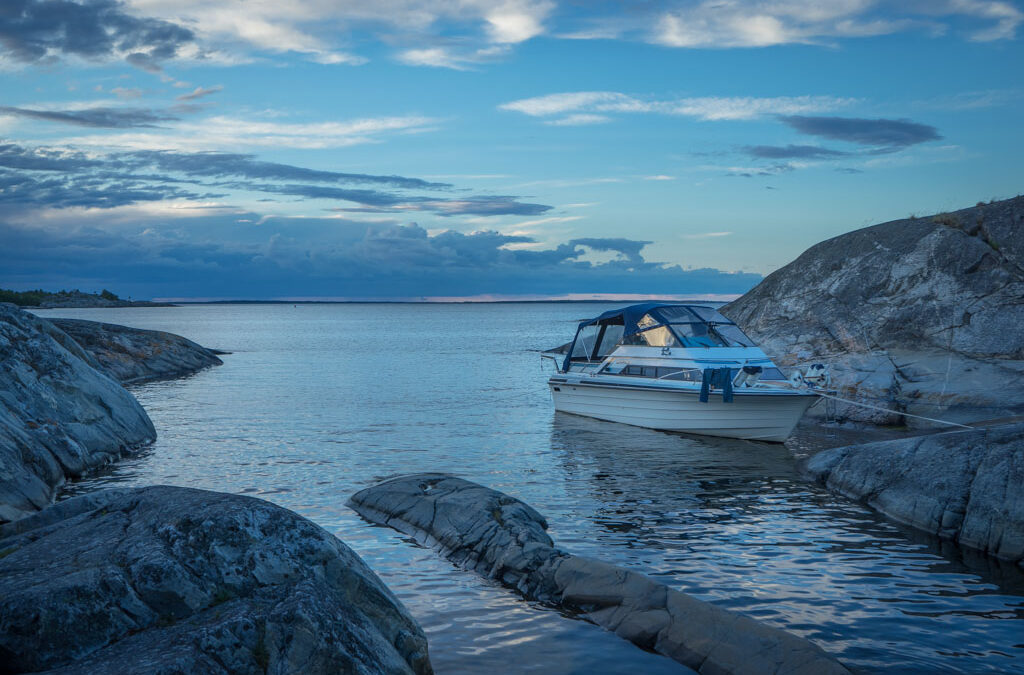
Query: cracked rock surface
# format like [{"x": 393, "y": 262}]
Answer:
[
  {"x": 964, "y": 486},
  {"x": 132, "y": 355},
  {"x": 59, "y": 414},
  {"x": 921, "y": 315},
  {"x": 175, "y": 580},
  {"x": 505, "y": 539}
]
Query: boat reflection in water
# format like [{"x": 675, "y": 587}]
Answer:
[{"x": 676, "y": 368}]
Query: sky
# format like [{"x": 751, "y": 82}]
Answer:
[{"x": 402, "y": 149}]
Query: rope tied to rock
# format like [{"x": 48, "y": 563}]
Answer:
[{"x": 894, "y": 412}]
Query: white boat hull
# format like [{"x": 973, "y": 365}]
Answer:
[{"x": 754, "y": 416}]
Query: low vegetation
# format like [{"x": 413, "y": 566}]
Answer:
[{"x": 39, "y": 296}]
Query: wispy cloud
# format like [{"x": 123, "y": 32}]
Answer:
[
  {"x": 108, "y": 118},
  {"x": 223, "y": 132},
  {"x": 200, "y": 92},
  {"x": 705, "y": 235},
  {"x": 598, "y": 104},
  {"x": 579, "y": 120},
  {"x": 792, "y": 152},
  {"x": 47, "y": 178}
]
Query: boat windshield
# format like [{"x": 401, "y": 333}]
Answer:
[{"x": 655, "y": 325}]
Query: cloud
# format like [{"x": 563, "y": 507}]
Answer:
[
  {"x": 659, "y": 177},
  {"x": 221, "y": 164},
  {"x": 209, "y": 256},
  {"x": 39, "y": 31},
  {"x": 58, "y": 190},
  {"x": 594, "y": 106},
  {"x": 108, "y": 118},
  {"x": 200, "y": 92},
  {"x": 222, "y": 132},
  {"x": 13, "y": 156},
  {"x": 481, "y": 205},
  {"x": 883, "y": 134},
  {"x": 121, "y": 178},
  {"x": 792, "y": 152},
  {"x": 718, "y": 24},
  {"x": 452, "y": 58},
  {"x": 579, "y": 120},
  {"x": 457, "y": 33},
  {"x": 708, "y": 235},
  {"x": 752, "y": 172}
]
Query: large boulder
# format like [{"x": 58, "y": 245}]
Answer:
[
  {"x": 503, "y": 538},
  {"x": 963, "y": 486},
  {"x": 921, "y": 315},
  {"x": 133, "y": 355},
  {"x": 175, "y": 580},
  {"x": 59, "y": 415}
]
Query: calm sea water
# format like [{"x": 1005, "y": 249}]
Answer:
[{"x": 318, "y": 401}]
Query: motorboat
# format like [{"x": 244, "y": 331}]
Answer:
[{"x": 677, "y": 367}]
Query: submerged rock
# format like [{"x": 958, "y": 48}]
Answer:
[
  {"x": 920, "y": 315},
  {"x": 175, "y": 580},
  {"x": 963, "y": 486},
  {"x": 59, "y": 415},
  {"x": 133, "y": 355},
  {"x": 502, "y": 538}
]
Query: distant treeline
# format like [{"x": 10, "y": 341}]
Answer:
[{"x": 39, "y": 296}]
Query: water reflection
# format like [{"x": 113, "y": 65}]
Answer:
[{"x": 732, "y": 522}]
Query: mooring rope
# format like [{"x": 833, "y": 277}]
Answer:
[{"x": 895, "y": 412}]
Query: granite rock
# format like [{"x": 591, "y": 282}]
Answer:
[
  {"x": 59, "y": 415},
  {"x": 132, "y": 355},
  {"x": 176, "y": 580},
  {"x": 503, "y": 538},
  {"x": 920, "y": 315},
  {"x": 962, "y": 486}
]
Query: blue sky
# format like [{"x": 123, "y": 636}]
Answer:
[{"x": 406, "y": 149}]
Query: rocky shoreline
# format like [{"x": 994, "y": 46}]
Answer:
[
  {"x": 132, "y": 355},
  {"x": 159, "y": 579},
  {"x": 504, "y": 539},
  {"x": 960, "y": 486},
  {"x": 60, "y": 415}
]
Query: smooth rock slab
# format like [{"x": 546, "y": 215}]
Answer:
[
  {"x": 503, "y": 538},
  {"x": 59, "y": 415},
  {"x": 964, "y": 486},
  {"x": 132, "y": 355},
  {"x": 174, "y": 580}
]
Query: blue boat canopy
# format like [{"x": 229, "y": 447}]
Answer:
[{"x": 653, "y": 324}]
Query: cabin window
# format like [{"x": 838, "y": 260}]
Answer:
[
  {"x": 647, "y": 321},
  {"x": 611, "y": 339},
  {"x": 655, "y": 337},
  {"x": 585, "y": 342},
  {"x": 709, "y": 314},
  {"x": 734, "y": 336},
  {"x": 676, "y": 314}
]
